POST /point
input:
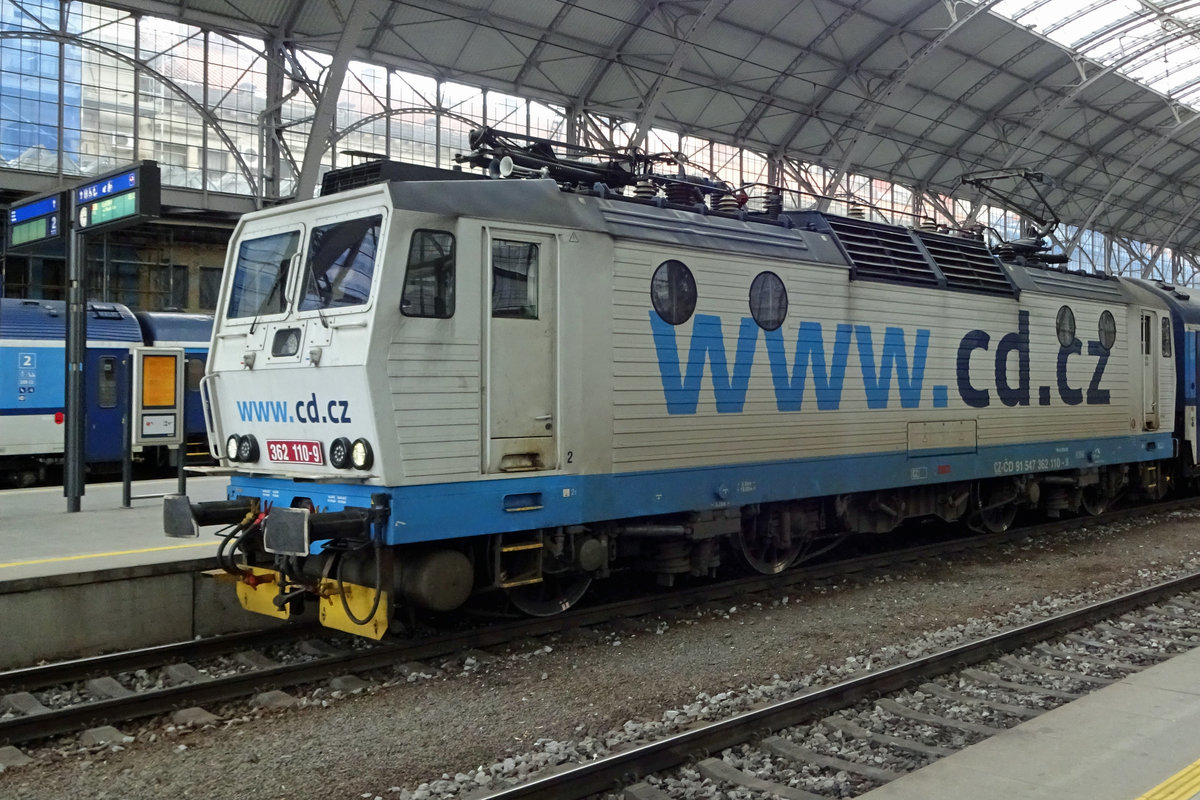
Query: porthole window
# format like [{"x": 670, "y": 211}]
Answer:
[
  {"x": 768, "y": 301},
  {"x": 1064, "y": 326},
  {"x": 673, "y": 292},
  {"x": 1108, "y": 330}
]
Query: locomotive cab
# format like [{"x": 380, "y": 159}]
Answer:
[
  {"x": 355, "y": 363},
  {"x": 297, "y": 307}
]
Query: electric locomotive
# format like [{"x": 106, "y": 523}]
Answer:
[{"x": 436, "y": 387}]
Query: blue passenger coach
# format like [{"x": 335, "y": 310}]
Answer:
[
  {"x": 191, "y": 332},
  {"x": 33, "y": 379}
]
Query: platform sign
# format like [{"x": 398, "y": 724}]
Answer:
[
  {"x": 120, "y": 198},
  {"x": 158, "y": 395},
  {"x": 36, "y": 220}
]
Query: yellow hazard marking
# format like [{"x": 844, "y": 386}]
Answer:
[
  {"x": 260, "y": 598},
  {"x": 334, "y": 599},
  {"x": 103, "y": 555},
  {"x": 1180, "y": 786}
]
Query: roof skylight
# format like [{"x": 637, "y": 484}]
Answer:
[{"x": 1156, "y": 44}]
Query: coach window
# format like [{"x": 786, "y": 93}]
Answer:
[
  {"x": 1064, "y": 326},
  {"x": 341, "y": 261},
  {"x": 514, "y": 279},
  {"x": 106, "y": 387},
  {"x": 193, "y": 372},
  {"x": 1166, "y": 337},
  {"x": 1108, "y": 330},
  {"x": 768, "y": 301},
  {"x": 260, "y": 275},
  {"x": 673, "y": 292},
  {"x": 429, "y": 277}
]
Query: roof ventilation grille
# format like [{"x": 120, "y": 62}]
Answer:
[
  {"x": 966, "y": 263},
  {"x": 882, "y": 252}
]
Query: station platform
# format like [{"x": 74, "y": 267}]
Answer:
[
  {"x": 106, "y": 577},
  {"x": 1138, "y": 739},
  {"x": 39, "y": 538}
]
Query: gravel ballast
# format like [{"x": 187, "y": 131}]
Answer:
[{"x": 462, "y": 724}]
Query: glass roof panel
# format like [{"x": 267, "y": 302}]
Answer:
[{"x": 1154, "y": 43}]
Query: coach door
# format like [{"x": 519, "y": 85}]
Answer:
[
  {"x": 1190, "y": 358},
  {"x": 520, "y": 383},
  {"x": 1150, "y": 354},
  {"x": 105, "y": 400}
]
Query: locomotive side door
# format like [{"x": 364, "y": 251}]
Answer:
[
  {"x": 520, "y": 378},
  {"x": 1150, "y": 351}
]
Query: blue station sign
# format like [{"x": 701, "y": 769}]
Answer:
[{"x": 36, "y": 220}]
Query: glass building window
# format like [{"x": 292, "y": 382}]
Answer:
[{"x": 210, "y": 287}]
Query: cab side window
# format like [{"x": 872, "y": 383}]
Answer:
[{"x": 429, "y": 278}]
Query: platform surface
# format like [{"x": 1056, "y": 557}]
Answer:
[
  {"x": 38, "y": 537},
  {"x": 1138, "y": 739}
]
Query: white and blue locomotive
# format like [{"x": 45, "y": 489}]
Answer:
[{"x": 432, "y": 389}]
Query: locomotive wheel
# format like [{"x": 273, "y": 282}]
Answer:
[
  {"x": 995, "y": 504},
  {"x": 1095, "y": 500},
  {"x": 759, "y": 549},
  {"x": 553, "y": 595},
  {"x": 23, "y": 479}
]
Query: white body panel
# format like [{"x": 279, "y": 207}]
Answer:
[{"x": 448, "y": 400}]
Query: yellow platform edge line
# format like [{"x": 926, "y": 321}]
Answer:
[
  {"x": 1180, "y": 786},
  {"x": 103, "y": 555}
]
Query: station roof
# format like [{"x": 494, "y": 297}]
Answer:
[{"x": 1101, "y": 97}]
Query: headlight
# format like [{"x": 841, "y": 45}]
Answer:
[
  {"x": 247, "y": 448},
  {"x": 361, "y": 455},
  {"x": 339, "y": 452},
  {"x": 231, "y": 447}
]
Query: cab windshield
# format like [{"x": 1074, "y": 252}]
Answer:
[
  {"x": 260, "y": 275},
  {"x": 340, "y": 264}
]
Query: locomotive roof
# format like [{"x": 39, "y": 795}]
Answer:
[
  {"x": 47, "y": 319},
  {"x": 174, "y": 326},
  {"x": 1070, "y": 283},
  {"x": 541, "y": 201},
  {"x": 906, "y": 256},
  {"x": 869, "y": 250}
]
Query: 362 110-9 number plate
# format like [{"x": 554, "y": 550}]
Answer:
[{"x": 292, "y": 451}]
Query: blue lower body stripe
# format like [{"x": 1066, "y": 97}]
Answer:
[{"x": 470, "y": 508}]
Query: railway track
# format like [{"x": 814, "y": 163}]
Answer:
[
  {"x": 894, "y": 720},
  {"x": 50, "y": 700}
]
